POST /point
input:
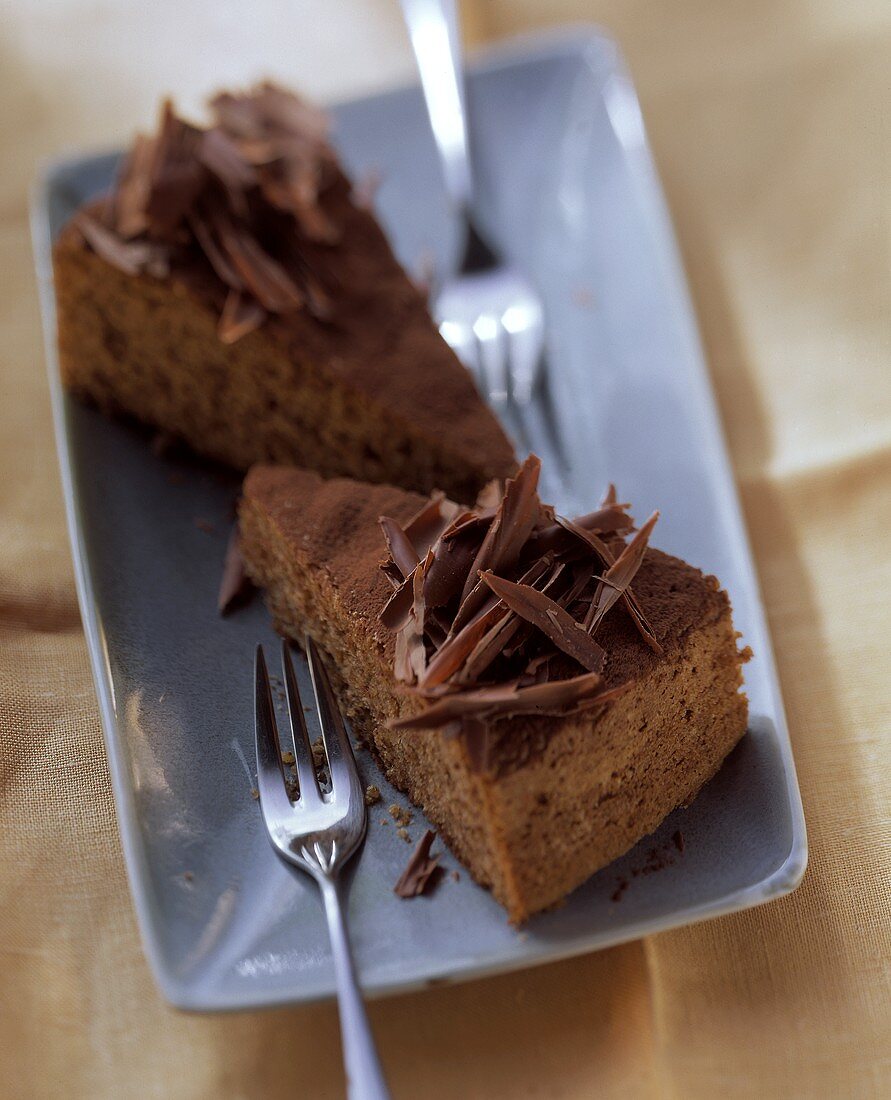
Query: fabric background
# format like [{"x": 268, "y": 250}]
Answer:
[{"x": 769, "y": 121}]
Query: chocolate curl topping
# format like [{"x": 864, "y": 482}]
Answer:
[
  {"x": 245, "y": 194},
  {"x": 411, "y": 653},
  {"x": 241, "y": 315},
  {"x": 550, "y": 618},
  {"x": 495, "y": 606},
  {"x": 557, "y": 698},
  {"x": 420, "y": 870},
  {"x": 628, "y": 597},
  {"x": 515, "y": 517},
  {"x": 618, "y": 577},
  {"x": 402, "y": 552},
  {"x": 131, "y": 257}
]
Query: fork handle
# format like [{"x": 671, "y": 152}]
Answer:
[
  {"x": 436, "y": 41},
  {"x": 365, "y": 1078}
]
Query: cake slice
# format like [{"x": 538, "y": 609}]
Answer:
[
  {"x": 547, "y": 691},
  {"x": 232, "y": 291}
]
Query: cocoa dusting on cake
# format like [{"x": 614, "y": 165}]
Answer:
[
  {"x": 421, "y": 871},
  {"x": 226, "y": 197},
  {"x": 496, "y": 607}
]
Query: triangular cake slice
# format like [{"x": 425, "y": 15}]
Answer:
[
  {"x": 547, "y": 691},
  {"x": 233, "y": 291}
]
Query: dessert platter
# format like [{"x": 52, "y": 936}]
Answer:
[{"x": 262, "y": 433}]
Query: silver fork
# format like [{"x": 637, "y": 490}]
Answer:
[
  {"x": 318, "y": 833},
  {"x": 488, "y": 312}
]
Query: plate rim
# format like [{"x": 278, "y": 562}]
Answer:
[{"x": 578, "y": 40}]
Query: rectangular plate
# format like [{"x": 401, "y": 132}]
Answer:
[{"x": 569, "y": 189}]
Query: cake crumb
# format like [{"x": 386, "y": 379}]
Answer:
[
  {"x": 621, "y": 887},
  {"x": 400, "y": 815},
  {"x": 255, "y": 794},
  {"x": 204, "y": 525},
  {"x": 372, "y": 795},
  {"x": 188, "y": 875},
  {"x": 384, "y": 821},
  {"x": 583, "y": 297},
  {"x": 287, "y": 758},
  {"x": 404, "y": 833},
  {"x": 456, "y": 875}
]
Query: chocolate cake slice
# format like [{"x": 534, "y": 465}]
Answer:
[
  {"x": 546, "y": 690},
  {"x": 232, "y": 291}
]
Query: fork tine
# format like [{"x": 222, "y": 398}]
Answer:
[
  {"x": 493, "y": 358},
  {"x": 524, "y": 326},
  {"x": 270, "y": 775},
  {"x": 341, "y": 761},
  {"x": 462, "y": 340},
  {"x": 306, "y": 771}
]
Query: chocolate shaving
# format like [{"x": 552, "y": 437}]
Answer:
[
  {"x": 608, "y": 520},
  {"x": 243, "y": 193},
  {"x": 131, "y": 257},
  {"x": 420, "y": 870},
  {"x": 404, "y": 555},
  {"x": 220, "y": 155},
  {"x": 240, "y": 316},
  {"x": 177, "y": 175},
  {"x": 514, "y": 520},
  {"x": 263, "y": 276},
  {"x": 130, "y": 197},
  {"x": 488, "y": 648},
  {"x": 411, "y": 655},
  {"x": 456, "y": 649},
  {"x": 555, "y": 698},
  {"x": 550, "y": 618},
  {"x": 619, "y": 576},
  {"x": 235, "y": 585},
  {"x": 630, "y": 600},
  {"x": 424, "y": 528},
  {"x": 453, "y": 557},
  {"x": 492, "y": 605},
  {"x": 395, "y": 614}
]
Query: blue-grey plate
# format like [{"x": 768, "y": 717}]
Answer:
[{"x": 570, "y": 192}]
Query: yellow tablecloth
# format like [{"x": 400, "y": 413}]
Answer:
[{"x": 770, "y": 126}]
